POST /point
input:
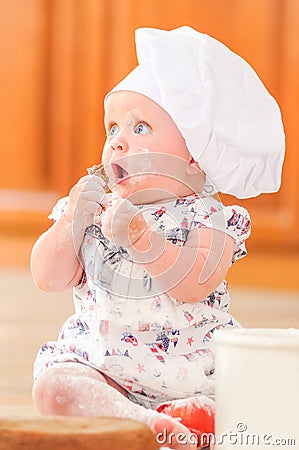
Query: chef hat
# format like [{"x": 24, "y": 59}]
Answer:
[{"x": 231, "y": 124}]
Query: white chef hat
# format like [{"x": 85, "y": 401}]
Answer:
[{"x": 231, "y": 124}]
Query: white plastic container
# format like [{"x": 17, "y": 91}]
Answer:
[{"x": 257, "y": 389}]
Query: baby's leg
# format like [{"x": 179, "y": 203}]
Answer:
[{"x": 74, "y": 389}]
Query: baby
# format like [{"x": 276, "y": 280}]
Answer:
[{"x": 147, "y": 262}]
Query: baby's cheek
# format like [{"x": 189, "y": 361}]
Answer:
[{"x": 106, "y": 154}]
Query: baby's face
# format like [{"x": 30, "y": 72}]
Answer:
[{"x": 145, "y": 155}]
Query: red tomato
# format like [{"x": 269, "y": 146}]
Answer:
[{"x": 196, "y": 413}]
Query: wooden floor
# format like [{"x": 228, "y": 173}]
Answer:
[{"x": 29, "y": 317}]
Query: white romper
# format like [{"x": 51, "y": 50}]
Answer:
[{"x": 154, "y": 346}]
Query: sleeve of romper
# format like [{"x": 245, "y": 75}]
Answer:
[
  {"x": 233, "y": 220},
  {"x": 58, "y": 209}
]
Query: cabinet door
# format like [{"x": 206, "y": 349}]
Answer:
[{"x": 23, "y": 46}]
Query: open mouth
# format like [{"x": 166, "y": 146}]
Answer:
[{"x": 119, "y": 172}]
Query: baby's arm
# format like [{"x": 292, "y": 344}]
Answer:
[
  {"x": 190, "y": 272},
  {"x": 55, "y": 265},
  {"x": 54, "y": 262}
]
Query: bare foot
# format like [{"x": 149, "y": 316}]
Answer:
[
  {"x": 196, "y": 413},
  {"x": 172, "y": 434}
]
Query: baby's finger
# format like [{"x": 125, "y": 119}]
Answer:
[
  {"x": 95, "y": 197},
  {"x": 106, "y": 201},
  {"x": 85, "y": 185},
  {"x": 92, "y": 180}
]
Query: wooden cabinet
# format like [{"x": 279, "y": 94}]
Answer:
[{"x": 60, "y": 57}]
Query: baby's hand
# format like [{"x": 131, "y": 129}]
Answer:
[
  {"x": 122, "y": 222},
  {"x": 86, "y": 200}
]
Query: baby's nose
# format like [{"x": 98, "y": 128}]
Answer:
[{"x": 120, "y": 144}]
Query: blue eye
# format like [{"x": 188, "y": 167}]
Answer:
[
  {"x": 142, "y": 128},
  {"x": 113, "y": 130}
]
